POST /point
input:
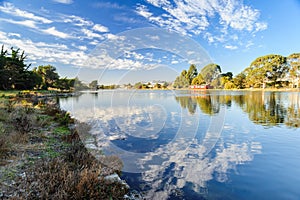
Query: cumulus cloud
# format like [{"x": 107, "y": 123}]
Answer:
[
  {"x": 45, "y": 52},
  {"x": 143, "y": 11},
  {"x": 91, "y": 35},
  {"x": 100, "y": 28},
  {"x": 82, "y": 48}
]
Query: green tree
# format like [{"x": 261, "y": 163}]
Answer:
[
  {"x": 165, "y": 85},
  {"x": 226, "y": 78},
  {"x": 198, "y": 80},
  {"x": 64, "y": 84},
  {"x": 14, "y": 72},
  {"x": 181, "y": 81},
  {"x": 191, "y": 73},
  {"x": 157, "y": 86},
  {"x": 255, "y": 77},
  {"x": 294, "y": 69},
  {"x": 270, "y": 68},
  {"x": 138, "y": 85},
  {"x": 93, "y": 84},
  {"x": 32, "y": 80},
  {"x": 210, "y": 72},
  {"x": 229, "y": 85},
  {"x": 49, "y": 76},
  {"x": 79, "y": 85},
  {"x": 240, "y": 81}
]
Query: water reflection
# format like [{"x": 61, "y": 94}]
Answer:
[
  {"x": 265, "y": 108},
  {"x": 188, "y": 167},
  {"x": 173, "y": 148}
]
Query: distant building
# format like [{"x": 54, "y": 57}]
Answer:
[{"x": 201, "y": 87}]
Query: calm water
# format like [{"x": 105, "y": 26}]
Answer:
[{"x": 198, "y": 145}]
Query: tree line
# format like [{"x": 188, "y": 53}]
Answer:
[
  {"x": 269, "y": 71},
  {"x": 15, "y": 74},
  {"x": 273, "y": 71}
]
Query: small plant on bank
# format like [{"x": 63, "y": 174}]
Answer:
[
  {"x": 64, "y": 118},
  {"x": 22, "y": 120},
  {"x": 9, "y": 105},
  {"x": 4, "y": 146},
  {"x": 62, "y": 131}
]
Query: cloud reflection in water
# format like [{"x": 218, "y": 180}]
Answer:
[{"x": 171, "y": 165}]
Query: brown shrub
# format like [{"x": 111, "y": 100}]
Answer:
[
  {"x": 4, "y": 142},
  {"x": 56, "y": 179}
]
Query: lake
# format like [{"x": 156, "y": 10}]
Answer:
[{"x": 197, "y": 144}]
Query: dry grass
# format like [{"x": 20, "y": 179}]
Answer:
[
  {"x": 76, "y": 177},
  {"x": 55, "y": 165}
]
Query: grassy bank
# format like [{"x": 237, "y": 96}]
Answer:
[{"x": 43, "y": 157}]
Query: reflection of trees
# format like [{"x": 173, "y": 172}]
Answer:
[
  {"x": 207, "y": 104},
  {"x": 293, "y": 111},
  {"x": 271, "y": 108},
  {"x": 293, "y": 117},
  {"x": 186, "y": 102},
  {"x": 266, "y": 108}
]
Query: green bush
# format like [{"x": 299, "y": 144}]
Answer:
[
  {"x": 22, "y": 120},
  {"x": 9, "y": 105},
  {"x": 4, "y": 146}
]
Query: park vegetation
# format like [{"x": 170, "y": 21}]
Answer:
[
  {"x": 16, "y": 75},
  {"x": 42, "y": 155},
  {"x": 269, "y": 71}
]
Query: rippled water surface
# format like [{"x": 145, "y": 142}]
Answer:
[{"x": 198, "y": 145}]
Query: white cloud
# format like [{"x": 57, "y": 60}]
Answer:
[
  {"x": 106, "y": 62},
  {"x": 143, "y": 11},
  {"x": 76, "y": 20},
  {"x": 94, "y": 42},
  {"x": 54, "y": 32},
  {"x": 27, "y": 23},
  {"x": 64, "y": 1},
  {"x": 41, "y": 52},
  {"x": 14, "y": 35},
  {"x": 231, "y": 47},
  {"x": 124, "y": 18},
  {"x": 82, "y": 48},
  {"x": 260, "y": 26},
  {"x": 91, "y": 35},
  {"x": 216, "y": 20},
  {"x": 9, "y": 8},
  {"x": 114, "y": 37},
  {"x": 100, "y": 28}
]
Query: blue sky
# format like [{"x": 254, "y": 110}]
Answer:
[{"x": 81, "y": 38}]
